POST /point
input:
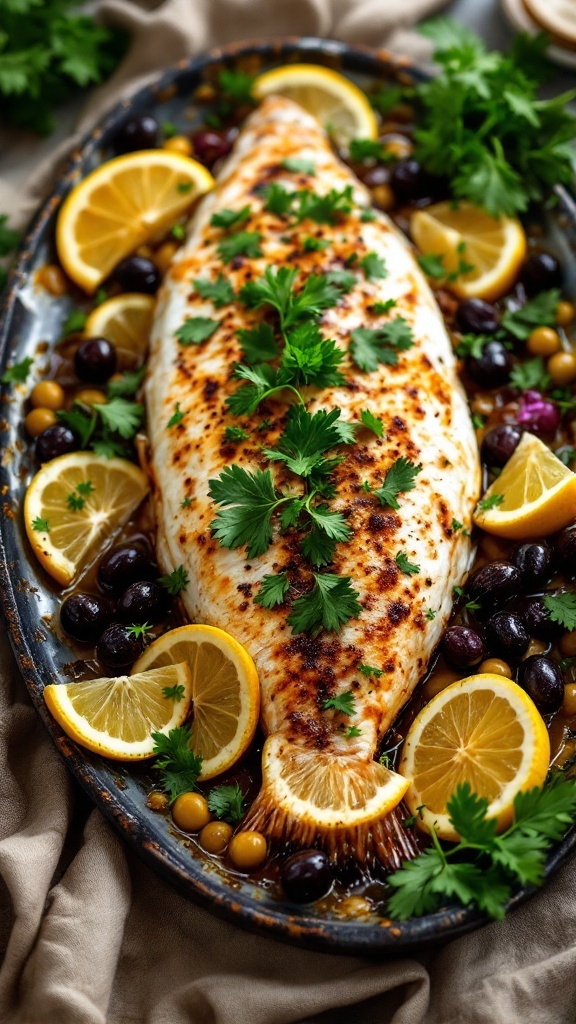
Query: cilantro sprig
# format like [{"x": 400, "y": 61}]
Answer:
[{"x": 178, "y": 765}]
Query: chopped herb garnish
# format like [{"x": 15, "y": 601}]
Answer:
[
  {"x": 75, "y": 502},
  {"x": 244, "y": 243},
  {"x": 299, "y": 166},
  {"x": 196, "y": 329},
  {"x": 18, "y": 372},
  {"x": 176, "y": 417},
  {"x": 530, "y": 375},
  {"x": 401, "y": 477},
  {"x": 74, "y": 322},
  {"x": 174, "y": 693},
  {"x": 345, "y": 280},
  {"x": 343, "y": 702},
  {"x": 273, "y": 590},
  {"x": 175, "y": 581},
  {"x": 373, "y": 266},
  {"x": 433, "y": 265},
  {"x": 307, "y": 438},
  {"x": 310, "y": 244},
  {"x": 537, "y": 312},
  {"x": 177, "y": 763},
  {"x": 370, "y": 670},
  {"x": 485, "y": 504},
  {"x": 326, "y": 209},
  {"x": 169, "y": 129},
  {"x": 227, "y": 803},
  {"x": 369, "y": 346},
  {"x": 405, "y": 566},
  {"x": 372, "y": 422},
  {"x": 353, "y": 731},
  {"x": 367, "y": 215},
  {"x": 235, "y": 434},
  {"x": 126, "y": 385},
  {"x": 140, "y": 629},
  {"x": 186, "y": 502},
  {"x": 40, "y": 525},
  {"x": 430, "y": 614},
  {"x": 258, "y": 343},
  {"x": 121, "y": 416},
  {"x": 236, "y": 86},
  {"x": 230, "y": 218},
  {"x": 328, "y": 605},
  {"x": 279, "y": 200},
  {"x": 219, "y": 291},
  {"x": 367, "y": 149},
  {"x": 178, "y": 232},
  {"x": 248, "y": 502},
  {"x": 561, "y": 608},
  {"x": 184, "y": 187}
]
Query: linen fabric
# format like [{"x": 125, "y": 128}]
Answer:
[{"x": 88, "y": 934}]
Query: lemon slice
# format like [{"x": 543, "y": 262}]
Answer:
[
  {"x": 538, "y": 494},
  {"x": 340, "y": 106},
  {"x": 483, "y": 730},
  {"x": 122, "y": 204},
  {"x": 225, "y": 691},
  {"x": 494, "y": 247},
  {"x": 327, "y": 790},
  {"x": 73, "y": 505},
  {"x": 116, "y": 717},
  {"x": 126, "y": 321}
]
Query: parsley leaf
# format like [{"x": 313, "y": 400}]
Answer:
[
  {"x": 299, "y": 166},
  {"x": 273, "y": 590},
  {"x": 195, "y": 330},
  {"x": 408, "y": 568},
  {"x": 227, "y": 803},
  {"x": 236, "y": 86},
  {"x": 121, "y": 416},
  {"x": 177, "y": 763},
  {"x": 370, "y": 670},
  {"x": 81, "y": 420},
  {"x": 40, "y": 525},
  {"x": 328, "y": 605},
  {"x": 531, "y": 375},
  {"x": 343, "y": 702},
  {"x": 433, "y": 265},
  {"x": 175, "y": 581},
  {"x": 353, "y": 731},
  {"x": 279, "y": 200},
  {"x": 248, "y": 502},
  {"x": 126, "y": 385},
  {"x": 174, "y": 693},
  {"x": 372, "y": 422},
  {"x": 485, "y": 504},
  {"x": 373, "y": 266},
  {"x": 258, "y": 343},
  {"x": 537, "y": 312},
  {"x": 326, "y": 209},
  {"x": 176, "y": 417},
  {"x": 243, "y": 243},
  {"x": 310, "y": 244},
  {"x": 371, "y": 346},
  {"x": 306, "y": 438},
  {"x": 219, "y": 291},
  {"x": 367, "y": 149},
  {"x": 75, "y": 321},
  {"x": 138, "y": 629},
  {"x": 345, "y": 280},
  {"x": 308, "y": 358},
  {"x": 230, "y": 218},
  {"x": 401, "y": 477},
  {"x": 276, "y": 288},
  {"x": 235, "y": 434},
  {"x": 18, "y": 372},
  {"x": 561, "y": 608}
]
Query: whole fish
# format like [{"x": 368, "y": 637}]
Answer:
[{"x": 321, "y": 784}]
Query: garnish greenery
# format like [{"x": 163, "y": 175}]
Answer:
[
  {"x": 310, "y": 244},
  {"x": 371, "y": 346},
  {"x": 196, "y": 329},
  {"x": 485, "y": 504},
  {"x": 176, "y": 417},
  {"x": 368, "y": 149},
  {"x": 276, "y": 289},
  {"x": 127, "y": 384},
  {"x": 75, "y": 502},
  {"x": 40, "y": 525},
  {"x": 235, "y": 434},
  {"x": 174, "y": 693},
  {"x": 370, "y": 670},
  {"x": 175, "y": 581},
  {"x": 328, "y": 605},
  {"x": 307, "y": 438},
  {"x": 230, "y": 218},
  {"x": 219, "y": 291},
  {"x": 400, "y": 478},
  {"x": 353, "y": 731},
  {"x": 345, "y": 280},
  {"x": 325, "y": 209},
  {"x": 258, "y": 343},
  {"x": 561, "y": 608},
  {"x": 342, "y": 702},
  {"x": 243, "y": 243},
  {"x": 75, "y": 321},
  {"x": 537, "y": 312},
  {"x": 227, "y": 803},
  {"x": 483, "y": 867},
  {"x": 248, "y": 502},
  {"x": 373, "y": 266},
  {"x": 481, "y": 125},
  {"x": 299, "y": 166},
  {"x": 18, "y": 372},
  {"x": 372, "y": 422},
  {"x": 433, "y": 265},
  {"x": 236, "y": 85},
  {"x": 122, "y": 417},
  {"x": 177, "y": 763},
  {"x": 273, "y": 590},
  {"x": 405, "y": 566}
]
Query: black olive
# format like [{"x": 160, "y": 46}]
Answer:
[
  {"x": 118, "y": 648},
  {"x": 138, "y": 133},
  {"x": 492, "y": 368},
  {"x": 143, "y": 601},
  {"x": 95, "y": 360},
  {"x": 541, "y": 271},
  {"x": 474, "y": 316},
  {"x": 55, "y": 441},
  {"x": 137, "y": 274},
  {"x": 493, "y": 585},
  {"x": 210, "y": 146},
  {"x": 374, "y": 176},
  {"x": 565, "y": 544},
  {"x": 535, "y": 563},
  {"x": 409, "y": 181},
  {"x": 538, "y": 621},
  {"x": 123, "y": 565},
  {"x": 500, "y": 443},
  {"x": 507, "y": 636},
  {"x": 542, "y": 680},
  {"x": 307, "y": 876},
  {"x": 84, "y": 616},
  {"x": 462, "y": 647}
]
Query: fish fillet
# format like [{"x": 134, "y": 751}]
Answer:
[{"x": 425, "y": 416}]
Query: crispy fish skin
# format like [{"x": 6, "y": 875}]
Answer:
[{"x": 425, "y": 417}]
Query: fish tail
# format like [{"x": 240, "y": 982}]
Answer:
[{"x": 333, "y": 802}]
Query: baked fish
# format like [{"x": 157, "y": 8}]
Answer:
[{"x": 407, "y": 546}]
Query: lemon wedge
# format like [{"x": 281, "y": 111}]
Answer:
[
  {"x": 483, "y": 730},
  {"x": 116, "y": 717},
  {"x": 122, "y": 204},
  {"x": 339, "y": 105},
  {"x": 225, "y": 691},
  {"x": 73, "y": 505},
  {"x": 534, "y": 496},
  {"x": 466, "y": 236},
  {"x": 125, "y": 321}
]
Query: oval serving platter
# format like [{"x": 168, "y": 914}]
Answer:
[{"x": 31, "y": 321}]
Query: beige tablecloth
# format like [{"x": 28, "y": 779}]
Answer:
[{"x": 89, "y": 934}]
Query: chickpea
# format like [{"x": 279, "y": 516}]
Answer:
[
  {"x": 157, "y": 801},
  {"x": 38, "y": 420},
  {"x": 543, "y": 341},
  {"x": 248, "y": 850},
  {"x": 568, "y": 645},
  {"x": 52, "y": 278},
  {"x": 384, "y": 196},
  {"x": 91, "y": 396},
  {"x": 48, "y": 394},
  {"x": 163, "y": 256},
  {"x": 562, "y": 367},
  {"x": 569, "y": 702},
  {"x": 179, "y": 144},
  {"x": 215, "y": 836},
  {"x": 353, "y": 906},
  {"x": 496, "y": 667},
  {"x": 565, "y": 313},
  {"x": 190, "y": 812}
]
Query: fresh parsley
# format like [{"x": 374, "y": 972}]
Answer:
[
  {"x": 178, "y": 765},
  {"x": 400, "y": 478},
  {"x": 328, "y": 605},
  {"x": 325, "y": 209},
  {"x": 561, "y": 608},
  {"x": 74, "y": 322},
  {"x": 373, "y": 266},
  {"x": 298, "y": 165},
  {"x": 372, "y": 422},
  {"x": 219, "y": 291},
  {"x": 310, "y": 244},
  {"x": 537, "y": 312},
  {"x": 228, "y": 219},
  {"x": 176, "y": 417},
  {"x": 174, "y": 693},
  {"x": 195, "y": 330},
  {"x": 273, "y": 590},
  {"x": 433, "y": 265},
  {"x": 127, "y": 384},
  {"x": 486, "y": 504},
  {"x": 175, "y": 581},
  {"x": 306, "y": 439},
  {"x": 121, "y": 416},
  {"x": 18, "y": 372},
  {"x": 370, "y": 670},
  {"x": 368, "y": 149},
  {"x": 40, "y": 525},
  {"x": 276, "y": 289},
  {"x": 371, "y": 346},
  {"x": 243, "y": 243},
  {"x": 405, "y": 566},
  {"x": 227, "y": 803},
  {"x": 353, "y": 731},
  {"x": 258, "y": 343},
  {"x": 235, "y": 434},
  {"x": 342, "y": 702},
  {"x": 248, "y": 501}
]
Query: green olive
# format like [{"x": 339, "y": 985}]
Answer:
[
  {"x": 190, "y": 812},
  {"x": 248, "y": 850},
  {"x": 48, "y": 394},
  {"x": 543, "y": 341},
  {"x": 38, "y": 420},
  {"x": 215, "y": 836}
]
